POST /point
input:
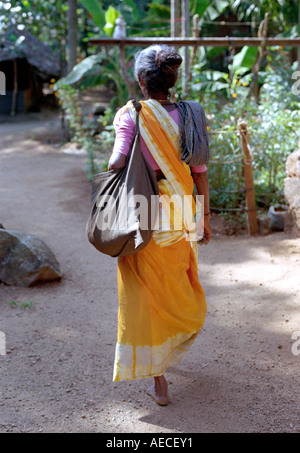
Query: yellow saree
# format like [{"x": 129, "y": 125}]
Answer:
[{"x": 162, "y": 304}]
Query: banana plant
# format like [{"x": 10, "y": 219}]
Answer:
[
  {"x": 84, "y": 74},
  {"x": 243, "y": 61},
  {"x": 93, "y": 71},
  {"x": 281, "y": 12},
  {"x": 208, "y": 9}
]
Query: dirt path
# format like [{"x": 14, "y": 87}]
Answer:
[{"x": 239, "y": 376}]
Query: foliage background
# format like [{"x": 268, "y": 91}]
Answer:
[{"x": 219, "y": 78}]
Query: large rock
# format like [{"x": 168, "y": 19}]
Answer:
[
  {"x": 25, "y": 259},
  {"x": 293, "y": 165},
  {"x": 292, "y": 193}
]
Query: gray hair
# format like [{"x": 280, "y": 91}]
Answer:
[
  {"x": 158, "y": 66},
  {"x": 145, "y": 60}
]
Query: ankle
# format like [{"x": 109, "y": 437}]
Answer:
[{"x": 161, "y": 385}]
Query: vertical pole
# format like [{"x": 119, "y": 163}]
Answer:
[
  {"x": 72, "y": 33},
  {"x": 196, "y": 31},
  {"x": 185, "y": 10},
  {"x": 127, "y": 79},
  {"x": 175, "y": 15},
  {"x": 249, "y": 182},
  {"x": 15, "y": 91}
]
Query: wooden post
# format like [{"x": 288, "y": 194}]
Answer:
[
  {"x": 249, "y": 182},
  {"x": 196, "y": 31},
  {"x": 185, "y": 11},
  {"x": 127, "y": 79},
  {"x": 175, "y": 16}
]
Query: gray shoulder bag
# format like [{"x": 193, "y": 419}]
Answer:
[{"x": 124, "y": 205}]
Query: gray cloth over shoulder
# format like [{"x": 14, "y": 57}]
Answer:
[{"x": 193, "y": 137}]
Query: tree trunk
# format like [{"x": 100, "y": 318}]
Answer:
[{"x": 72, "y": 34}]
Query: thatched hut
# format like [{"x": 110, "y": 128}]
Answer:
[{"x": 27, "y": 64}]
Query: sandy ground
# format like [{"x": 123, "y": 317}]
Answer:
[{"x": 239, "y": 376}]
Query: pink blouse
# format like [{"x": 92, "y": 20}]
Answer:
[{"x": 124, "y": 133}]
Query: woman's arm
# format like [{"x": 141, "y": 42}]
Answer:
[
  {"x": 124, "y": 127},
  {"x": 117, "y": 160},
  {"x": 202, "y": 185}
]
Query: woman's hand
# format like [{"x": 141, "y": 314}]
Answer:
[{"x": 202, "y": 185}]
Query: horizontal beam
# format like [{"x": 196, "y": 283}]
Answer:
[{"x": 195, "y": 42}]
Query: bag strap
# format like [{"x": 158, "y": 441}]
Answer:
[
  {"x": 138, "y": 107},
  {"x": 137, "y": 135}
]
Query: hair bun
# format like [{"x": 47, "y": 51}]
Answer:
[{"x": 168, "y": 61}]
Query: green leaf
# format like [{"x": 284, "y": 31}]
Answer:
[
  {"x": 110, "y": 16},
  {"x": 162, "y": 11},
  {"x": 216, "y": 8},
  {"x": 95, "y": 9},
  {"x": 221, "y": 5},
  {"x": 215, "y": 75},
  {"x": 244, "y": 60},
  {"x": 293, "y": 32},
  {"x": 86, "y": 67},
  {"x": 129, "y": 6},
  {"x": 13, "y": 303},
  {"x": 199, "y": 7},
  {"x": 213, "y": 52}
]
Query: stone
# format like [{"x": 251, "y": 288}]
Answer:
[
  {"x": 25, "y": 259},
  {"x": 293, "y": 165},
  {"x": 292, "y": 194}
]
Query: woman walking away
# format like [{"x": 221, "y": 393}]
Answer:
[{"x": 162, "y": 304}]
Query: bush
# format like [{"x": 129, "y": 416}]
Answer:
[{"x": 274, "y": 126}]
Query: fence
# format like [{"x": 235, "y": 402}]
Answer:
[
  {"x": 249, "y": 188},
  {"x": 197, "y": 42},
  {"x": 262, "y": 41}
]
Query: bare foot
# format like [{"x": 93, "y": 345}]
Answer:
[{"x": 159, "y": 391}]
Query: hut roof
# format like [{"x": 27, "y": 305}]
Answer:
[{"x": 15, "y": 43}]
